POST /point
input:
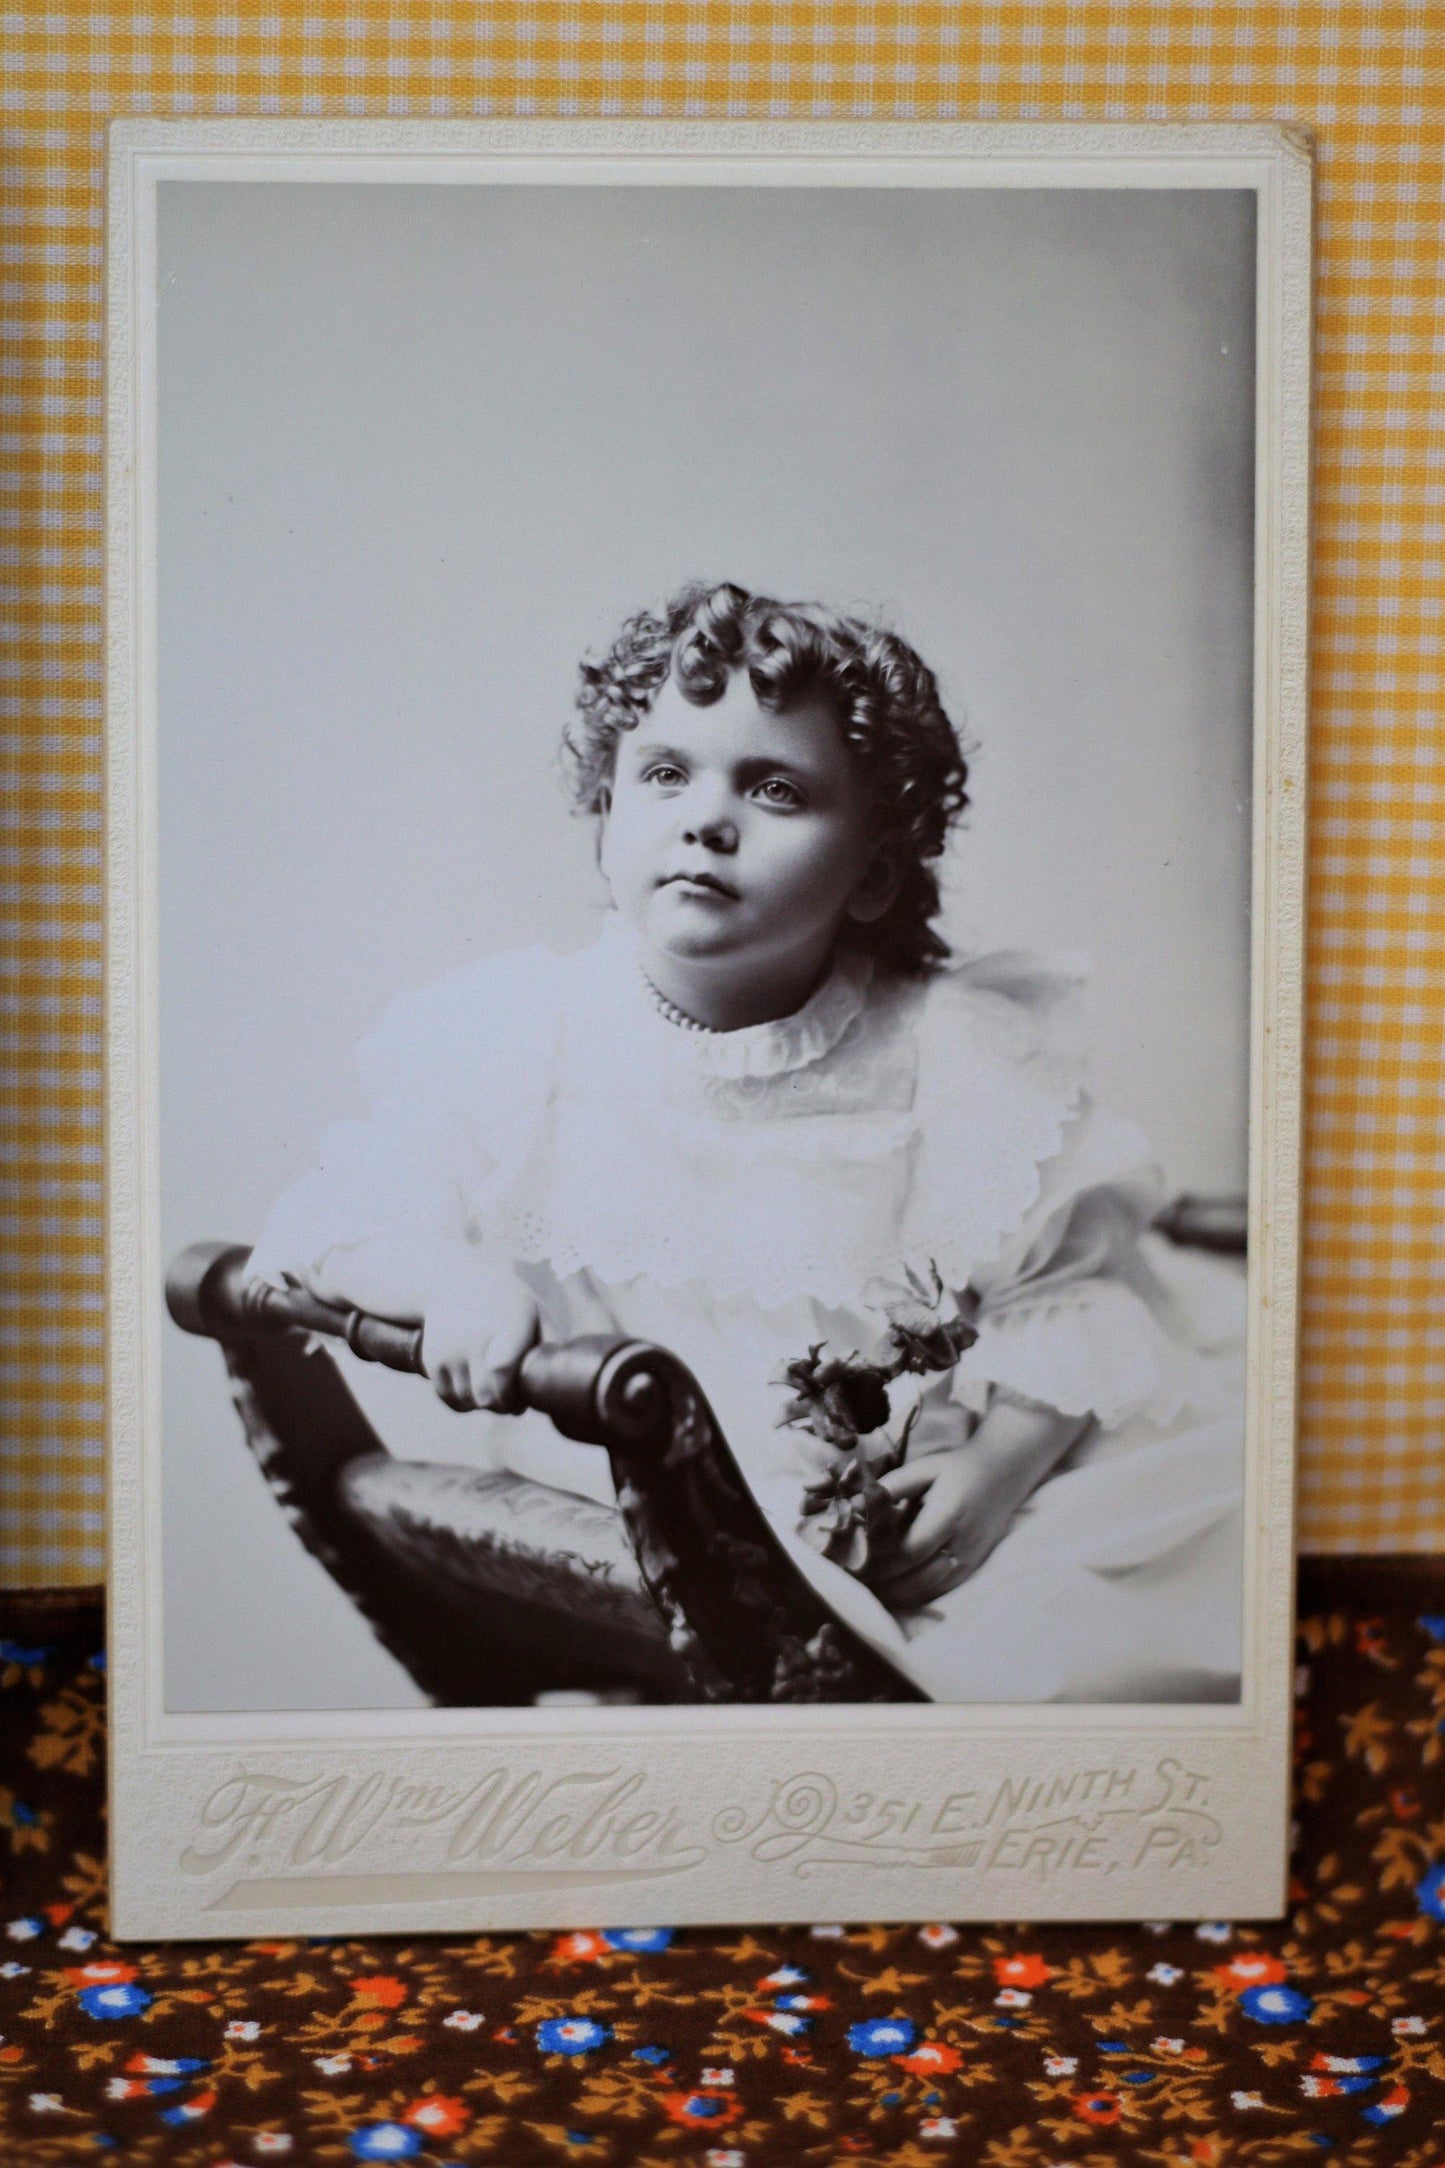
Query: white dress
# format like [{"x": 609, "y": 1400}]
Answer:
[{"x": 739, "y": 1196}]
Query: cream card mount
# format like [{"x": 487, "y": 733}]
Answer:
[{"x": 404, "y": 419}]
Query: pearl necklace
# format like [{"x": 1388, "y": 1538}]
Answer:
[{"x": 671, "y": 1013}]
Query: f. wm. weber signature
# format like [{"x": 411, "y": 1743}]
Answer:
[
  {"x": 505, "y": 1818},
  {"x": 605, "y": 1822}
]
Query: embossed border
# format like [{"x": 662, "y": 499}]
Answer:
[{"x": 452, "y": 1820}]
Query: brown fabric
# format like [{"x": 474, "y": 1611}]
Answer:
[{"x": 1009, "y": 2047}]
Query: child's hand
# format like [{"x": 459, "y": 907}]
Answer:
[
  {"x": 969, "y": 1495},
  {"x": 479, "y": 1322},
  {"x": 964, "y": 1509}
]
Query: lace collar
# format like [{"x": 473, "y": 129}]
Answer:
[{"x": 758, "y": 1050}]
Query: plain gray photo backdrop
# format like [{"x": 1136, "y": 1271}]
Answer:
[{"x": 423, "y": 446}]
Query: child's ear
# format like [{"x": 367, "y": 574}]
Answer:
[{"x": 874, "y": 894}]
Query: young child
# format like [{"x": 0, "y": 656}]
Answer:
[{"x": 766, "y": 1108}]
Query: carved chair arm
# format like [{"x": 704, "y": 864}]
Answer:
[
  {"x": 736, "y": 1614},
  {"x": 1220, "y": 1224},
  {"x": 587, "y": 1387}
]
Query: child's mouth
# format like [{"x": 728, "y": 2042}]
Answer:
[{"x": 700, "y": 883}]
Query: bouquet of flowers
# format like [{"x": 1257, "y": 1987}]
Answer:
[{"x": 849, "y": 1514}]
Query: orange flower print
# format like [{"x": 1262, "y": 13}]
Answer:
[
  {"x": 379, "y": 1989},
  {"x": 1025, "y": 1971},
  {"x": 1252, "y": 1968},
  {"x": 1101, "y": 2108},
  {"x": 104, "y": 1972},
  {"x": 582, "y": 1948},
  {"x": 930, "y": 2059},
  {"x": 438, "y": 2115},
  {"x": 695, "y": 2109}
]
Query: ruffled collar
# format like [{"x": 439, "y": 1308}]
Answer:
[{"x": 757, "y": 1050}]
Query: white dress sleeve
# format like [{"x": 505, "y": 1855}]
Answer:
[
  {"x": 1057, "y": 1200},
  {"x": 1072, "y": 1312},
  {"x": 458, "y": 1078}
]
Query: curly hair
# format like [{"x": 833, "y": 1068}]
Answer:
[{"x": 888, "y": 711}]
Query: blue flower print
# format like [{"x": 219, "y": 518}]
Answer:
[
  {"x": 882, "y": 2036},
  {"x": 385, "y": 2141},
  {"x": 571, "y": 2035},
  {"x": 1433, "y": 1623},
  {"x": 637, "y": 1938},
  {"x": 651, "y": 2055},
  {"x": 1275, "y": 2005},
  {"x": 118, "y": 2000},
  {"x": 1430, "y": 1890}
]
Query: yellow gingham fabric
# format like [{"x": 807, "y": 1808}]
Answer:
[{"x": 1369, "y": 79}]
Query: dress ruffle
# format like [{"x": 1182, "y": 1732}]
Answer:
[
  {"x": 542, "y": 1105},
  {"x": 739, "y": 1197}
]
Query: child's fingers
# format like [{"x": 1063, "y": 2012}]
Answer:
[
  {"x": 914, "y": 1476},
  {"x": 920, "y": 1584},
  {"x": 479, "y": 1326},
  {"x": 493, "y": 1375},
  {"x": 947, "y": 1505},
  {"x": 494, "y": 1385},
  {"x": 451, "y": 1381},
  {"x": 514, "y": 1335},
  {"x": 466, "y": 1382}
]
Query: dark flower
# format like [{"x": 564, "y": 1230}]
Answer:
[
  {"x": 839, "y": 1401},
  {"x": 923, "y": 1338},
  {"x": 851, "y": 1518},
  {"x": 846, "y": 1397}
]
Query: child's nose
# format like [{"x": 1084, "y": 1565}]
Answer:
[
  {"x": 718, "y": 834},
  {"x": 712, "y": 827}
]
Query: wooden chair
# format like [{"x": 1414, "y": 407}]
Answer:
[{"x": 493, "y": 1590}]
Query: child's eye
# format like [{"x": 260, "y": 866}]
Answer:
[
  {"x": 778, "y": 791},
  {"x": 665, "y": 772}
]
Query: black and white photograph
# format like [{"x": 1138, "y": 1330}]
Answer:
[
  {"x": 704, "y": 749},
  {"x": 705, "y": 865}
]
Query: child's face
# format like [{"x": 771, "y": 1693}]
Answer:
[{"x": 738, "y": 836}]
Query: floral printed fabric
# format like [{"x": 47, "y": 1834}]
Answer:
[{"x": 1009, "y": 2047}]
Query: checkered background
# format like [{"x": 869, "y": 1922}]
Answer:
[{"x": 1368, "y": 78}]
